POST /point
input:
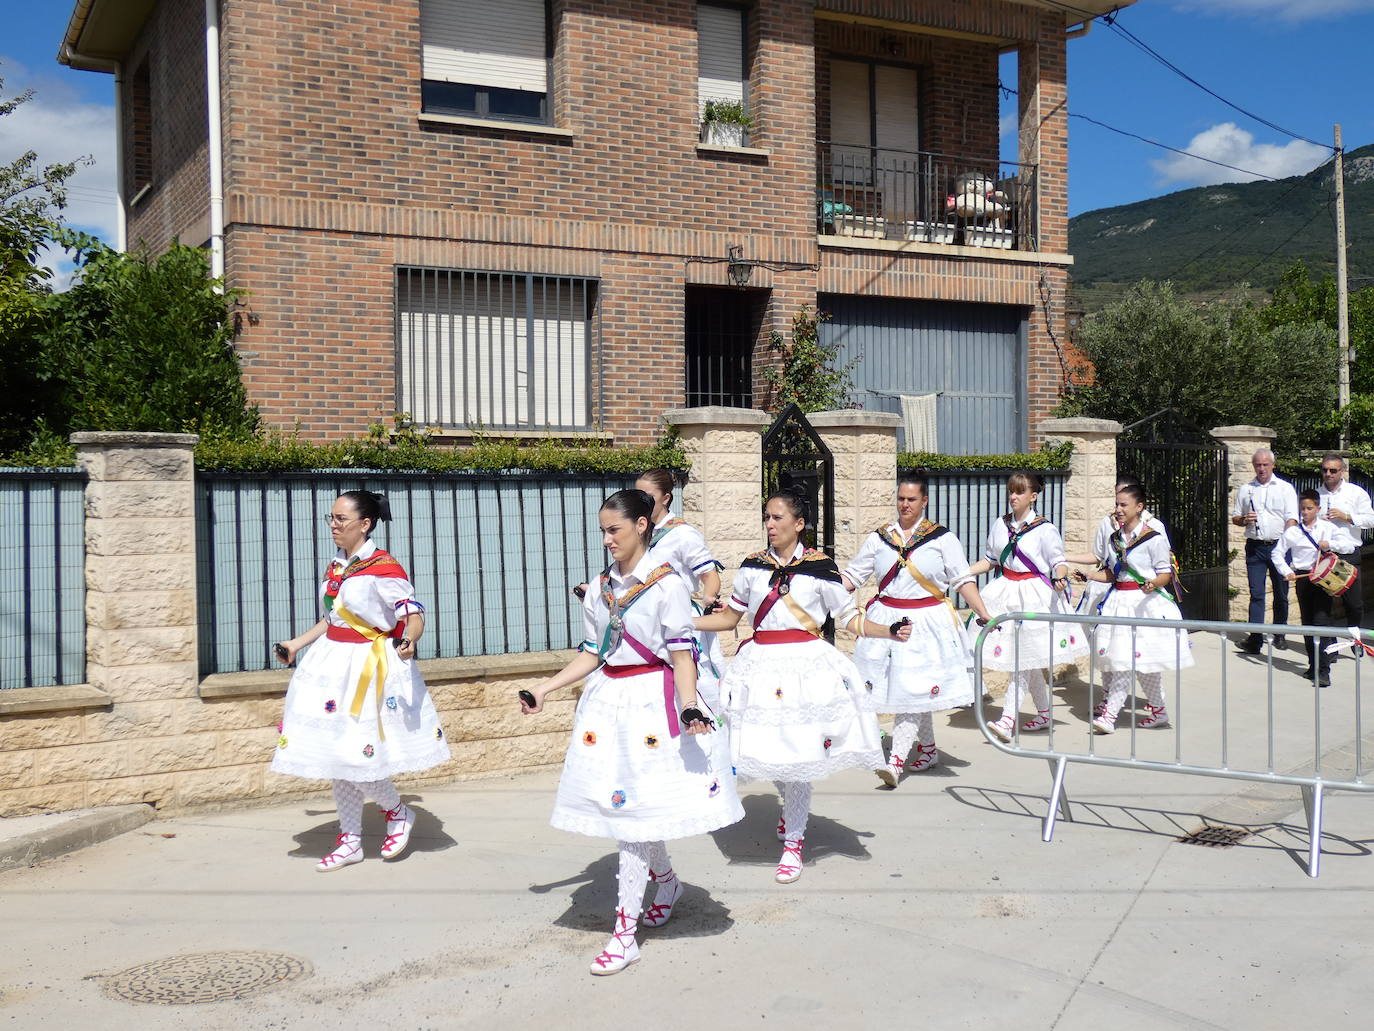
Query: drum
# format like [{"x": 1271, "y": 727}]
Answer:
[{"x": 1332, "y": 574}]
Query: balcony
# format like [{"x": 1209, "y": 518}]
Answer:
[{"x": 876, "y": 193}]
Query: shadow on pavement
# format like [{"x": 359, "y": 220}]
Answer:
[
  {"x": 1292, "y": 839},
  {"x": 591, "y": 907},
  {"x": 428, "y": 834},
  {"x": 754, "y": 841}
]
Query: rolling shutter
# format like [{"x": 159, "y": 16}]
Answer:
[
  {"x": 480, "y": 43},
  {"x": 720, "y": 54}
]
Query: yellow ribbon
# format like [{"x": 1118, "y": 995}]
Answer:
[
  {"x": 926, "y": 584},
  {"x": 373, "y": 669}
]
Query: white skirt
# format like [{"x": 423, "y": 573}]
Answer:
[
  {"x": 927, "y": 673},
  {"x": 1033, "y": 638},
  {"x": 626, "y": 778},
  {"x": 798, "y": 712},
  {"x": 1152, "y": 649},
  {"x": 710, "y": 668},
  {"x": 320, "y": 739}
]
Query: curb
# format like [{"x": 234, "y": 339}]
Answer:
[{"x": 42, "y": 845}]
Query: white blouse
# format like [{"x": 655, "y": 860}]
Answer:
[
  {"x": 660, "y": 619},
  {"x": 379, "y": 601},
  {"x": 1147, "y": 560},
  {"x": 684, "y": 548},
  {"x": 1102, "y": 540},
  {"x": 941, "y": 561},
  {"x": 1303, "y": 554},
  {"x": 819, "y": 598},
  {"x": 1043, "y": 546}
]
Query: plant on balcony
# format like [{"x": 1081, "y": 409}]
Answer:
[{"x": 725, "y": 123}]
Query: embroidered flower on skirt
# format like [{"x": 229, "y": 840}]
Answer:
[
  {"x": 438, "y": 733},
  {"x": 997, "y": 650},
  {"x": 868, "y": 685},
  {"x": 279, "y": 723},
  {"x": 651, "y": 741},
  {"x": 369, "y": 751},
  {"x": 935, "y": 690},
  {"x": 330, "y": 705},
  {"x": 589, "y": 738},
  {"x": 827, "y": 743},
  {"x": 1063, "y": 642},
  {"x": 281, "y": 741},
  {"x": 777, "y": 693},
  {"x": 714, "y": 789},
  {"x": 391, "y": 702},
  {"x": 617, "y": 799}
]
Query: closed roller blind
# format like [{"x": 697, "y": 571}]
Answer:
[
  {"x": 850, "y": 122},
  {"x": 483, "y": 43},
  {"x": 895, "y": 102},
  {"x": 720, "y": 54}
]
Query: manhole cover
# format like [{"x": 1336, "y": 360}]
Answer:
[
  {"x": 1216, "y": 837},
  {"x": 203, "y": 977}
]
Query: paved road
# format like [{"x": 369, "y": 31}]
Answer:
[{"x": 935, "y": 906}]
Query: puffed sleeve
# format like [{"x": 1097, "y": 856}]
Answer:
[
  {"x": 1052, "y": 545},
  {"x": 839, "y": 605},
  {"x": 1102, "y": 541},
  {"x": 592, "y": 620},
  {"x": 861, "y": 568},
  {"x": 675, "y": 613},
  {"x": 993, "y": 553},
  {"x": 740, "y": 595},
  {"x": 398, "y": 593},
  {"x": 1160, "y": 554},
  {"x": 956, "y": 563},
  {"x": 695, "y": 555}
]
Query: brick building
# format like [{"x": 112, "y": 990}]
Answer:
[{"x": 500, "y": 214}]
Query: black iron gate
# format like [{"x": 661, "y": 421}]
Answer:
[
  {"x": 1184, "y": 470},
  {"x": 794, "y": 456}
]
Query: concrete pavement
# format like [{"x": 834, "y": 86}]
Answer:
[{"x": 936, "y": 905}]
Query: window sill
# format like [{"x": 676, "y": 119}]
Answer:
[
  {"x": 493, "y": 123},
  {"x": 748, "y": 152},
  {"x": 943, "y": 250},
  {"x": 64, "y": 698}
]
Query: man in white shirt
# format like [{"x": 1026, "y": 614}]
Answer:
[
  {"x": 1266, "y": 506},
  {"x": 1348, "y": 507}
]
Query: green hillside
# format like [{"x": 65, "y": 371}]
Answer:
[{"x": 1212, "y": 238}]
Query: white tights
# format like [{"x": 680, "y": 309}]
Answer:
[
  {"x": 1039, "y": 690},
  {"x": 796, "y": 806},
  {"x": 1119, "y": 686},
  {"x": 349, "y": 796},
  {"x": 637, "y": 860},
  {"x": 909, "y": 728}
]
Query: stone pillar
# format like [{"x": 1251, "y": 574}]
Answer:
[
  {"x": 865, "y": 448},
  {"x": 1241, "y": 444},
  {"x": 140, "y": 565},
  {"x": 1091, "y": 490},
  {"x": 724, "y": 486}
]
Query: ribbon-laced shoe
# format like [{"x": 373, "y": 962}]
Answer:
[
  {"x": 348, "y": 849},
  {"x": 621, "y": 950},
  {"x": 399, "y": 823},
  {"x": 790, "y": 865}
]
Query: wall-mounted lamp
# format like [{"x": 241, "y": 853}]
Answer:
[{"x": 738, "y": 269}]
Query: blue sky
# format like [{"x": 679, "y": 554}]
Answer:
[{"x": 1299, "y": 63}]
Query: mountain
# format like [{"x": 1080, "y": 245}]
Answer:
[{"x": 1213, "y": 238}]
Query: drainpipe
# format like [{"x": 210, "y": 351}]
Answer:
[
  {"x": 121, "y": 208},
  {"x": 216, "y": 143}
]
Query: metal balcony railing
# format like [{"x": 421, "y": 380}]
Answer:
[{"x": 882, "y": 194}]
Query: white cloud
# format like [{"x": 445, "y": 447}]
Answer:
[
  {"x": 1007, "y": 124},
  {"x": 60, "y": 126},
  {"x": 1233, "y": 145},
  {"x": 1288, "y": 10}
]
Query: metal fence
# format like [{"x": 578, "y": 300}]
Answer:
[
  {"x": 1232, "y": 724},
  {"x": 492, "y": 557},
  {"x": 886, "y": 194},
  {"x": 42, "y": 577},
  {"x": 967, "y": 501}
]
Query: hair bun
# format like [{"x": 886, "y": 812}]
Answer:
[{"x": 383, "y": 507}]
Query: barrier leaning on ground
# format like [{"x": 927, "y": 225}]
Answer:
[{"x": 1231, "y": 728}]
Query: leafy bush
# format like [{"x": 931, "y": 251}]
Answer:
[
  {"x": 727, "y": 112},
  {"x": 1056, "y": 457},
  {"x": 808, "y": 372}
]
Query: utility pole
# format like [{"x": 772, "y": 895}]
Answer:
[{"x": 1342, "y": 296}]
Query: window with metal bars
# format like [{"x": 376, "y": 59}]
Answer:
[
  {"x": 721, "y": 327},
  {"x": 494, "y": 349}
]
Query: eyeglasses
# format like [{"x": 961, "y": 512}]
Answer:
[
  {"x": 1338, "y": 470},
  {"x": 333, "y": 520}
]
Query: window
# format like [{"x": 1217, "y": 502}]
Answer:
[
  {"x": 720, "y": 55},
  {"x": 496, "y": 349},
  {"x": 721, "y": 327},
  {"x": 485, "y": 59}
]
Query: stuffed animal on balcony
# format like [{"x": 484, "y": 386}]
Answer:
[{"x": 977, "y": 197}]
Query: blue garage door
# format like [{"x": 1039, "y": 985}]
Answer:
[{"x": 972, "y": 355}]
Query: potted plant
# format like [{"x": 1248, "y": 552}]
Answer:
[{"x": 724, "y": 123}]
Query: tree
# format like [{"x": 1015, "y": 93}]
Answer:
[
  {"x": 808, "y": 371},
  {"x": 1218, "y": 364},
  {"x": 1300, "y": 301}
]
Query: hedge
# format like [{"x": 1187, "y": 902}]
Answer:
[{"x": 1056, "y": 457}]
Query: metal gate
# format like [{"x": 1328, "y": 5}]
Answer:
[
  {"x": 795, "y": 456},
  {"x": 1184, "y": 470}
]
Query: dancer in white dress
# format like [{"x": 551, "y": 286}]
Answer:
[
  {"x": 643, "y": 765},
  {"x": 1101, "y": 555},
  {"x": 1139, "y": 582},
  {"x": 917, "y": 563},
  {"x": 795, "y": 704},
  {"x": 1028, "y": 554},
  {"x": 357, "y": 711},
  {"x": 684, "y": 548}
]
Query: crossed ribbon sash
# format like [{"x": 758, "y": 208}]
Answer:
[
  {"x": 904, "y": 553},
  {"x": 616, "y": 633},
  {"x": 374, "y": 668}
]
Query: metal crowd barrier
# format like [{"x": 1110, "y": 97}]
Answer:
[{"x": 1234, "y": 753}]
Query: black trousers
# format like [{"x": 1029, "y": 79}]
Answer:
[
  {"x": 1315, "y": 606},
  {"x": 1353, "y": 599}
]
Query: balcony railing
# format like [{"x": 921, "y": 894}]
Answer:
[{"x": 881, "y": 194}]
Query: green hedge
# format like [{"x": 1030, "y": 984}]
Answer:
[{"x": 1056, "y": 457}]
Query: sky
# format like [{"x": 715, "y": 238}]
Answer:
[{"x": 1300, "y": 64}]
